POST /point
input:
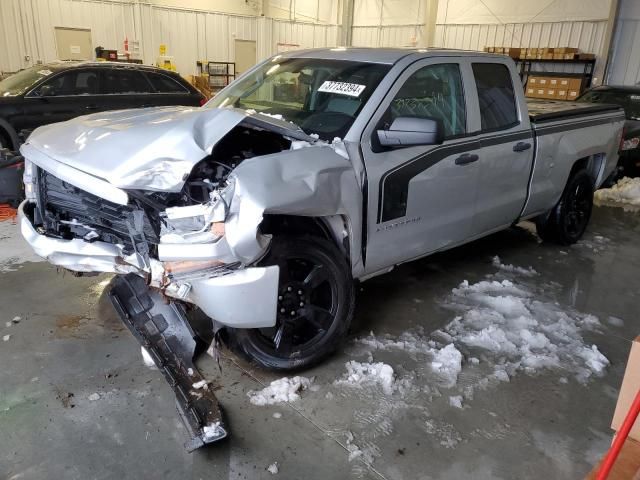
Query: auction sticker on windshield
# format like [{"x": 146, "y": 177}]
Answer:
[{"x": 342, "y": 88}]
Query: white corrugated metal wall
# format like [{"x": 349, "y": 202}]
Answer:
[
  {"x": 388, "y": 23},
  {"x": 27, "y": 31},
  {"x": 624, "y": 66}
]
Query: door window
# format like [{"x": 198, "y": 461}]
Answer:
[
  {"x": 83, "y": 82},
  {"x": 434, "y": 92},
  {"x": 124, "y": 82},
  {"x": 163, "y": 84},
  {"x": 496, "y": 97}
]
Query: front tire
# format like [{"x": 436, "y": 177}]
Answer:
[
  {"x": 316, "y": 299},
  {"x": 567, "y": 221}
]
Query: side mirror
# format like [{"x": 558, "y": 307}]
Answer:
[
  {"x": 409, "y": 131},
  {"x": 47, "y": 91}
]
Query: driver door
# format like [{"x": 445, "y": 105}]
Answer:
[{"x": 421, "y": 198}]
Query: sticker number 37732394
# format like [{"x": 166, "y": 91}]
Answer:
[{"x": 342, "y": 88}]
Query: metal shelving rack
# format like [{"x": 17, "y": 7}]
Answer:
[
  {"x": 525, "y": 66},
  {"x": 220, "y": 74}
]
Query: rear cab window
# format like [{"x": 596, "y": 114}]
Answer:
[{"x": 496, "y": 96}]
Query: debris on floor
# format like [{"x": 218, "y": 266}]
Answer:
[
  {"x": 625, "y": 192},
  {"x": 280, "y": 391},
  {"x": 273, "y": 468}
]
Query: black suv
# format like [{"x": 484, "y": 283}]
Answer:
[{"x": 59, "y": 91}]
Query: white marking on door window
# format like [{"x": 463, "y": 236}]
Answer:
[
  {"x": 44, "y": 72},
  {"x": 342, "y": 88}
]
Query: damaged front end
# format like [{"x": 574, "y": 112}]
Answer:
[{"x": 180, "y": 221}]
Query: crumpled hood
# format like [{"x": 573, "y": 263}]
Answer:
[{"x": 150, "y": 148}]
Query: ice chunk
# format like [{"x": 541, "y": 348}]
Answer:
[
  {"x": 94, "y": 396},
  {"x": 273, "y": 468},
  {"x": 456, "y": 401},
  {"x": 279, "y": 391},
  {"x": 447, "y": 362},
  {"x": 368, "y": 374}
]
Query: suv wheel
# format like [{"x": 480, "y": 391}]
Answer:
[{"x": 316, "y": 301}]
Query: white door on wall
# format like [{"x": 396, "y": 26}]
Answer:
[
  {"x": 245, "y": 55},
  {"x": 74, "y": 44}
]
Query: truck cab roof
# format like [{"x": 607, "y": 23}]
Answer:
[{"x": 387, "y": 56}]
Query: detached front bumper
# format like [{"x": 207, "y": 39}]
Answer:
[{"x": 244, "y": 298}]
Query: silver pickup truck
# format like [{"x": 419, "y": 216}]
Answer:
[{"x": 313, "y": 170}]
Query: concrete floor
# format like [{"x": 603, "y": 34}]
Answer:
[{"x": 69, "y": 345}]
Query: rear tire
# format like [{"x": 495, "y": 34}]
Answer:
[
  {"x": 316, "y": 299},
  {"x": 567, "y": 221}
]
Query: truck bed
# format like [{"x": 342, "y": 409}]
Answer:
[{"x": 549, "y": 110}]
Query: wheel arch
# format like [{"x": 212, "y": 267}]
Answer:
[
  {"x": 9, "y": 133},
  {"x": 335, "y": 228},
  {"x": 594, "y": 165}
]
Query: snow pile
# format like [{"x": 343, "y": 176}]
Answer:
[
  {"x": 14, "y": 250},
  {"x": 626, "y": 191},
  {"x": 369, "y": 374},
  {"x": 512, "y": 331},
  {"x": 273, "y": 468},
  {"x": 527, "y": 272},
  {"x": 456, "y": 401},
  {"x": 280, "y": 391},
  {"x": 367, "y": 453}
]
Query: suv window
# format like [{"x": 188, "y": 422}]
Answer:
[
  {"x": 74, "y": 82},
  {"x": 164, "y": 84},
  {"x": 123, "y": 82},
  {"x": 495, "y": 96},
  {"x": 436, "y": 92}
]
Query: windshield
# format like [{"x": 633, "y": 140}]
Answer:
[
  {"x": 20, "y": 82},
  {"x": 627, "y": 100},
  {"x": 320, "y": 96}
]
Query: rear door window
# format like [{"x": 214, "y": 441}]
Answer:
[
  {"x": 124, "y": 82},
  {"x": 73, "y": 82},
  {"x": 164, "y": 84},
  {"x": 498, "y": 110}
]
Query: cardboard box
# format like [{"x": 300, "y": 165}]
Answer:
[
  {"x": 547, "y": 56},
  {"x": 491, "y": 49},
  {"x": 530, "y": 92},
  {"x": 628, "y": 391},
  {"x": 543, "y": 81},
  {"x": 565, "y": 50},
  {"x": 570, "y": 56},
  {"x": 513, "y": 52},
  {"x": 561, "y": 94},
  {"x": 540, "y": 92},
  {"x": 586, "y": 56},
  {"x": 627, "y": 466},
  {"x": 550, "y": 93},
  {"x": 563, "y": 82},
  {"x": 554, "y": 82},
  {"x": 533, "y": 80},
  {"x": 558, "y": 56},
  {"x": 572, "y": 94},
  {"x": 575, "y": 84}
]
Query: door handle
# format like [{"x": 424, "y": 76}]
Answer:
[
  {"x": 467, "y": 158},
  {"x": 521, "y": 146}
]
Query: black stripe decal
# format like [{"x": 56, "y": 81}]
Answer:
[
  {"x": 394, "y": 184},
  {"x": 548, "y": 130}
]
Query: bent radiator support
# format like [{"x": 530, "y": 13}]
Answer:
[{"x": 163, "y": 329}]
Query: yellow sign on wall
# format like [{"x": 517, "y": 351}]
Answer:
[{"x": 163, "y": 49}]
